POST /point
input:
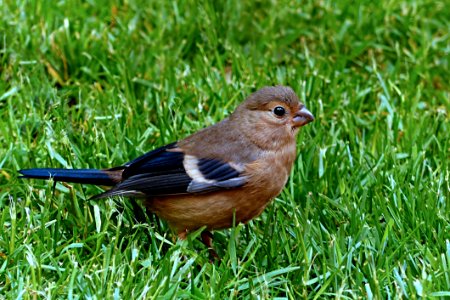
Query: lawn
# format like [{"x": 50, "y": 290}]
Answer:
[{"x": 365, "y": 213}]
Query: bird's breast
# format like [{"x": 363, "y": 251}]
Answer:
[{"x": 269, "y": 174}]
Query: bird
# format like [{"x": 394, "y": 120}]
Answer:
[{"x": 222, "y": 175}]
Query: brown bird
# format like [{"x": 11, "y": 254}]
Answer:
[{"x": 230, "y": 170}]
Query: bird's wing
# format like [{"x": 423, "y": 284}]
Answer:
[{"x": 169, "y": 171}]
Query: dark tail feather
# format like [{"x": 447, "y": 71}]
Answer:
[{"x": 87, "y": 176}]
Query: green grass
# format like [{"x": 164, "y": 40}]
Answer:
[{"x": 366, "y": 211}]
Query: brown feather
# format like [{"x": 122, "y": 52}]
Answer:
[{"x": 251, "y": 136}]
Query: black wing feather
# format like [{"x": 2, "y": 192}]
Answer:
[
  {"x": 225, "y": 171},
  {"x": 161, "y": 172},
  {"x": 206, "y": 165},
  {"x": 150, "y": 185},
  {"x": 157, "y": 161}
]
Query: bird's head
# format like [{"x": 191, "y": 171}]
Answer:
[{"x": 272, "y": 115}]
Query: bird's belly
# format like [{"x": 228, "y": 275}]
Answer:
[{"x": 213, "y": 210}]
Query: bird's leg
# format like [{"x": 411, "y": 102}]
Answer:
[
  {"x": 138, "y": 214},
  {"x": 182, "y": 235},
  {"x": 207, "y": 239}
]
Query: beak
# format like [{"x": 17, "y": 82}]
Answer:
[{"x": 302, "y": 117}]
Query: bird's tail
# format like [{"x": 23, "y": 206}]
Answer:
[{"x": 87, "y": 176}]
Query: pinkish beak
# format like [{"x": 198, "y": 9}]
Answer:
[{"x": 302, "y": 117}]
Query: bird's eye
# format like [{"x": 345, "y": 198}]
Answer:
[{"x": 279, "y": 111}]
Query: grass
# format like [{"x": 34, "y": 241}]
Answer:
[{"x": 366, "y": 211}]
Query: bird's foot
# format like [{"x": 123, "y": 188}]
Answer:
[{"x": 207, "y": 239}]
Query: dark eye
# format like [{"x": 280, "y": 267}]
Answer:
[{"x": 279, "y": 111}]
